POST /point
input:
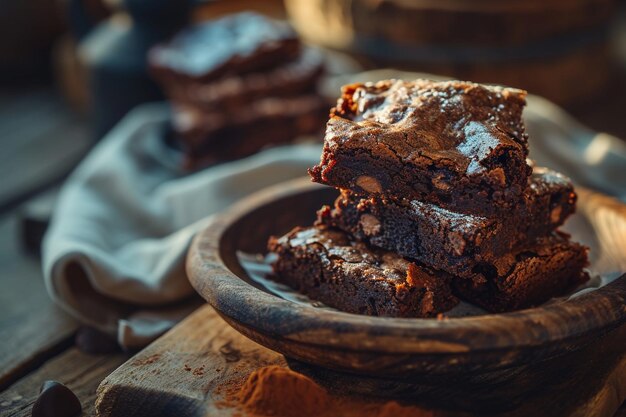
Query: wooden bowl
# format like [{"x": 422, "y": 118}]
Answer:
[{"x": 400, "y": 356}]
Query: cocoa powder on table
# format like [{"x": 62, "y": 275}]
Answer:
[{"x": 280, "y": 392}]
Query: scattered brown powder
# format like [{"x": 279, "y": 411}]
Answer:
[
  {"x": 148, "y": 360},
  {"x": 277, "y": 391},
  {"x": 393, "y": 409},
  {"x": 280, "y": 392}
]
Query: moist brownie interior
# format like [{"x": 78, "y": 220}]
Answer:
[
  {"x": 529, "y": 276},
  {"x": 444, "y": 239},
  {"x": 328, "y": 266}
]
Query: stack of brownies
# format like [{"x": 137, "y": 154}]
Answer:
[
  {"x": 238, "y": 84},
  {"x": 437, "y": 202}
]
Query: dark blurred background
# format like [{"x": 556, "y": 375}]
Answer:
[{"x": 71, "y": 68}]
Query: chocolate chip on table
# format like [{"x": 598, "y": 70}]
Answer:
[
  {"x": 452, "y": 241},
  {"x": 90, "y": 340},
  {"x": 56, "y": 400}
]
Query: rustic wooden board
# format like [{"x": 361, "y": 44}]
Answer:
[
  {"x": 41, "y": 140},
  {"x": 32, "y": 328},
  {"x": 80, "y": 371},
  {"x": 180, "y": 374}
]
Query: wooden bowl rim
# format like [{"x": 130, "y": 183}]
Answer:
[{"x": 595, "y": 312}]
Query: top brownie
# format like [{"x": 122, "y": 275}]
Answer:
[
  {"x": 237, "y": 43},
  {"x": 457, "y": 144}
]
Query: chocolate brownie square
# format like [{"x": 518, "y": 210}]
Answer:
[
  {"x": 207, "y": 137},
  {"x": 451, "y": 241},
  {"x": 232, "y": 93},
  {"x": 456, "y": 144},
  {"x": 527, "y": 277},
  {"x": 234, "y": 44},
  {"x": 330, "y": 267}
]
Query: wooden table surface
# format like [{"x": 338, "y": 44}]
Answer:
[{"x": 40, "y": 140}]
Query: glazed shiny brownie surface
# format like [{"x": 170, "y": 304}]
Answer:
[
  {"x": 451, "y": 241},
  {"x": 237, "y": 43},
  {"x": 528, "y": 276},
  {"x": 456, "y": 144},
  {"x": 330, "y": 267}
]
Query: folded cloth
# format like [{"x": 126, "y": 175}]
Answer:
[
  {"x": 115, "y": 251},
  {"x": 557, "y": 140}
]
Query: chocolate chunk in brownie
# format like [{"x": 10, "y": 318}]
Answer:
[
  {"x": 234, "y": 44},
  {"x": 447, "y": 240},
  {"x": 328, "y": 266},
  {"x": 527, "y": 277},
  {"x": 456, "y": 144},
  {"x": 231, "y": 94},
  {"x": 207, "y": 137}
]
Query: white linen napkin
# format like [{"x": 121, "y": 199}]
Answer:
[{"x": 115, "y": 250}]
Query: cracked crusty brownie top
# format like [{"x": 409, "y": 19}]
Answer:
[
  {"x": 458, "y": 121},
  {"x": 457, "y": 144}
]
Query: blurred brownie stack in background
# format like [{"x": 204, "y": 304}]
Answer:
[
  {"x": 238, "y": 84},
  {"x": 433, "y": 175}
]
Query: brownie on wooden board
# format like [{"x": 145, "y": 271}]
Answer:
[
  {"x": 233, "y": 44},
  {"x": 328, "y": 266},
  {"x": 456, "y": 144},
  {"x": 451, "y": 241},
  {"x": 527, "y": 277}
]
